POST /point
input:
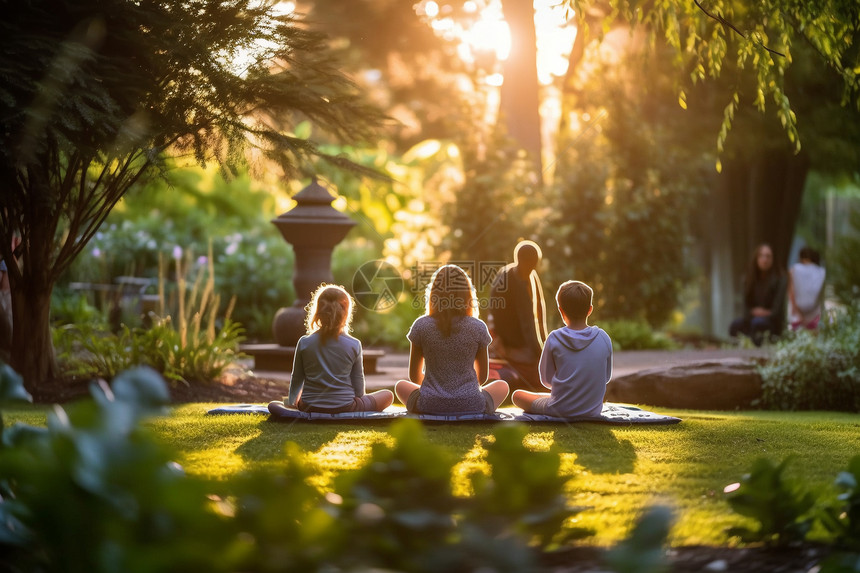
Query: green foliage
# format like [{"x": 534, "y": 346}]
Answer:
[
  {"x": 93, "y": 493},
  {"x": 112, "y": 500},
  {"x": 644, "y": 550},
  {"x": 816, "y": 370},
  {"x": 496, "y": 206},
  {"x": 12, "y": 387},
  {"x": 843, "y": 518},
  {"x": 843, "y": 263},
  {"x": 253, "y": 265},
  {"x": 255, "y": 271},
  {"x": 69, "y": 307},
  {"x": 781, "y": 508},
  {"x": 282, "y": 522},
  {"x": 406, "y": 517},
  {"x": 760, "y": 38},
  {"x": 95, "y": 94},
  {"x": 635, "y": 335},
  {"x": 628, "y": 177},
  {"x": 524, "y": 493},
  {"x": 785, "y": 513},
  {"x": 400, "y": 505},
  {"x": 11, "y": 390},
  {"x": 189, "y": 342},
  {"x": 199, "y": 357}
]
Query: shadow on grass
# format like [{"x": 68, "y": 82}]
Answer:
[
  {"x": 596, "y": 446},
  {"x": 310, "y": 436}
]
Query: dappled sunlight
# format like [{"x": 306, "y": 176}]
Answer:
[
  {"x": 539, "y": 441},
  {"x": 347, "y": 451},
  {"x": 704, "y": 518},
  {"x": 473, "y": 461},
  {"x": 219, "y": 462},
  {"x": 614, "y": 473}
]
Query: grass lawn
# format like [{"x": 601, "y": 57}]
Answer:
[{"x": 614, "y": 471}]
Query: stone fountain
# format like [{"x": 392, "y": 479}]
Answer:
[{"x": 313, "y": 227}]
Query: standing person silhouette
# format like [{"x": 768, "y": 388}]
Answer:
[{"x": 518, "y": 315}]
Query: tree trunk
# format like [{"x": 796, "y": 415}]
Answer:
[
  {"x": 32, "y": 347},
  {"x": 520, "y": 102},
  {"x": 765, "y": 193},
  {"x": 760, "y": 196}
]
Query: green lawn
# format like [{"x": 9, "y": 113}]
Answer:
[{"x": 614, "y": 471}]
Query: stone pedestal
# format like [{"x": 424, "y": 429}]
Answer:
[
  {"x": 313, "y": 227},
  {"x": 277, "y": 358}
]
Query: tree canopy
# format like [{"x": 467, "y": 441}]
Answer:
[
  {"x": 707, "y": 35},
  {"x": 95, "y": 91}
]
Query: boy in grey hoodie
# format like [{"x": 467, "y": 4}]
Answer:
[{"x": 576, "y": 362}]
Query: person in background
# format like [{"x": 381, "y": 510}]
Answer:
[
  {"x": 806, "y": 290},
  {"x": 518, "y": 314},
  {"x": 764, "y": 298}
]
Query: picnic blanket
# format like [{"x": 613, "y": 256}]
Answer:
[{"x": 615, "y": 414}]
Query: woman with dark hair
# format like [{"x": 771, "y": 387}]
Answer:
[
  {"x": 449, "y": 362},
  {"x": 764, "y": 298}
]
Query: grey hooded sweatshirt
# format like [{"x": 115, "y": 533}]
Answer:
[{"x": 576, "y": 365}]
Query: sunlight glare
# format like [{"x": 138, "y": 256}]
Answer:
[
  {"x": 495, "y": 80},
  {"x": 555, "y": 37},
  {"x": 283, "y": 8},
  {"x": 260, "y": 50},
  {"x": 490, "y": 34}
]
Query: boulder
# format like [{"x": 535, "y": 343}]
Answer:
[{"x": 724, "y": 384}]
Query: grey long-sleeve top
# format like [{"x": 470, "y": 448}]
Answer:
[{"x": 327, "y": 375}]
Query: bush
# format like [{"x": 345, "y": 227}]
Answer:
[
  {"x": 70, "y": 307},
  {"x": 781, "y": 508},
  {"x": 93, "y": 492},
  {"x": 255, "y": 269},
  {"x": 635, "y": 335},
  {"x": 816, "y": 370},
  {"x": 786, "y": 512},
  {"x": 187, "y": 339}
]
